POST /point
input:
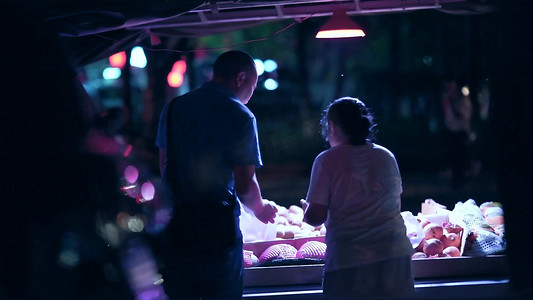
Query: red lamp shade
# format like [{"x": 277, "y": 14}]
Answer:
[{"x": 340, "y": 26}]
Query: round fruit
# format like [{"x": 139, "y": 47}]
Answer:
[
  {"x": 451, "y": 239},
  {"x": 433, "y": 247},
  {"x": 418, "y": 255},
  {"x": 433, "y": 230},
  {"x": 451, "y": 251}
]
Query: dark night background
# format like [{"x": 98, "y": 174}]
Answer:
[{"x": 398, "y": 70}]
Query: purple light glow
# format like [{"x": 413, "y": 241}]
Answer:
[
  {"x": 131, "y": 174},
  {"x": 147, "y": 191},
  {"x": 127, "y": 151}
]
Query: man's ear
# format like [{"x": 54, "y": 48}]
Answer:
[{"x": 241, "y": 77}]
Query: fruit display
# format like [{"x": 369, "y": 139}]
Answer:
[
  {"x": 295, "y": 249},
  {"x": 294, "y": 239},
  {"x": 439, "y": 242},
  {"x": 436, "y": 232},
  {"x": 446, "y": 243},
  {"x": 467, "y": 230},
  {"x": 289, "y": 224}
]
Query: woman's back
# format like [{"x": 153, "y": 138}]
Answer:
[{"x": 364, "y": 222}]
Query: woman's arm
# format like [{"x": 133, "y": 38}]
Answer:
[{"x": 314, "y": 214}]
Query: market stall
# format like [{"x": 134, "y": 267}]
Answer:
[{"x": 291, "y": 263}]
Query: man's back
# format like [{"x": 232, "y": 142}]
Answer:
[{"x": 210, "y": 133}]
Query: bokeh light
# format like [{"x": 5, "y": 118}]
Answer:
[
  {"x": 110, "y": 233},
  {"x": 69, "y": 258},
  {"x": 259, "y": 66},
  {"x": 138, "y": 58},
  {"x": 127, "y": 151},
  {"x": 180, "y": 66},
  {"x": 270, "y": 84},
  {"x": 465, "y": 91},
  {"x": 270, "y": 65},
  {"x": 147, "y": 191},
  {"x": 131, "y": 174},
  {"x": 111, "y": 73},
  {"x": 135, "y": 224},
  {"x": 122, "y": 220},
  {"x": 118, "y": 60},
  {"x": 175, "y": 79}
]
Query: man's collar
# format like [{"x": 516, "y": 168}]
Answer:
[{"x": 222, "y": 88}]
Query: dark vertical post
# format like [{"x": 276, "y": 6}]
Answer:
[
  {"x": 126, "y": 94},
  {"x": 513, "y": 110}
]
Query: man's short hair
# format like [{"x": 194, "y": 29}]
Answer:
[{"x": 230, "y": 63}]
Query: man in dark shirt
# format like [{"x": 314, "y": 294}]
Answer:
[{"x": 209, "y": 151}]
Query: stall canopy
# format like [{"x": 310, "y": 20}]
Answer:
[{"x": 95, "y": 29}]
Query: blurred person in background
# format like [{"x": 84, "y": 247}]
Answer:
[
  {"x": 355, "y": 189},
  {"x": 53, "y": 191},
  {"x": 209, "y": 151},
  {"x": 457, "y": 109}
]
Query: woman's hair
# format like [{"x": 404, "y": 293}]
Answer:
[{"x": 352, "y": 117}]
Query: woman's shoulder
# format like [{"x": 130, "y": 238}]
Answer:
[
  {"x": 380, "y": 148},
  {"x": 337, "y": 153},
  {"x": 323, "y": 154},
  {"x": 350, "y": 150}
]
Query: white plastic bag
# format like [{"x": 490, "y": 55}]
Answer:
[
  {"x": 414, "y": 230},
  {"x": 254, "y": 230},
  {"x": 486, "y": 242}
]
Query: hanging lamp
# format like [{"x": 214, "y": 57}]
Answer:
[{"x": 339, "y": 25}]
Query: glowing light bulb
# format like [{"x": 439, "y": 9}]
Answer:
[{"x": 341, "y": 33}]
